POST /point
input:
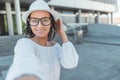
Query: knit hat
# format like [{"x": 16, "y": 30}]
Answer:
[{"x": 39, "y": 5}]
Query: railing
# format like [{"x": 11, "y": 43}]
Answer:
[{"x": 76, "y": 31}]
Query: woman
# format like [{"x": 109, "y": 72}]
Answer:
[{"x": 38, "y": 57}]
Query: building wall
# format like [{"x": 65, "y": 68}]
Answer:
[
  {"x": 69, "y": 10},
  {"x": 116, "y": 20},
  {"x": 89, "y": 12},
  {"x": 85, "y": 4}
]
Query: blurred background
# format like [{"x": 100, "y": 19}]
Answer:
[{"x": 73, "y": 11}]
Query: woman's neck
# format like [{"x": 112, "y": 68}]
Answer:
[{"x": 40, "y": 41}]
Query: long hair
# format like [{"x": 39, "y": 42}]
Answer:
[{"x": 51, "y": 34}]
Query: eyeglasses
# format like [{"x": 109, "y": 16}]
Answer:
[{"x": 45, "y": 21}]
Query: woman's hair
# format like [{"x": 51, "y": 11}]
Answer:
[{"x": 51, "y": 33}]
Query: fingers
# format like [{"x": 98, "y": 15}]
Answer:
[{"x": 58, "y": 22}]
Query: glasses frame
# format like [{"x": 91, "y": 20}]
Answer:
[{"x": 40, "y": 20}]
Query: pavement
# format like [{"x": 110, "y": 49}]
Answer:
[
  {"x": 5, "y": 62},
  {"x": 97, "y": 62},
  {"x": 99, "y": 57}
]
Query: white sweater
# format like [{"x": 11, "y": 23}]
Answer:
[{"x": 43, "y": 62}]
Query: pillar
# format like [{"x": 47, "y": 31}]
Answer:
[
  {"x": 9, "y": 18},
  {"x": 18, "y": 16},
  {"x": 111, "y": 18},
  {"x": 97, "y": 19},
  {"x": 78, "y": 16}
]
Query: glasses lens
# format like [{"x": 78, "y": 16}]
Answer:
[
  {"x": 33, "y": 21},
  {"x": 46, "y": 21}
]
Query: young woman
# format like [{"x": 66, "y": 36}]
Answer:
[{"x": 38, "y": 57}]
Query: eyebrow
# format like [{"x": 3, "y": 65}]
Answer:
[{"x": 40, "y": 18}]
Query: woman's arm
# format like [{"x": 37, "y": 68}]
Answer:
[
  {"x": 24, "y": 63},
  {"x": 69, "y": 56}
]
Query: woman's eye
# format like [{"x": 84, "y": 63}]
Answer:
[
  {"x": 34, "y": 21},
  {"x": 45, "y": 20}
]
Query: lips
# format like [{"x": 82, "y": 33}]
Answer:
[{"x": 40, "y": 32}]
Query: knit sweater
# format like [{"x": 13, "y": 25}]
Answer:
[{"x": 44, "y": 62}]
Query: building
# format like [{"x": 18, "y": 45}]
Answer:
[{"x": 71, "y": 11}]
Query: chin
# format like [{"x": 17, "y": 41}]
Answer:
[{"x": 41, "y": 36}]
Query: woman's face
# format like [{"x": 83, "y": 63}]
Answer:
[{"x": 40, "y": 23}]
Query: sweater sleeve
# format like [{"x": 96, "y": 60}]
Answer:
[
  {"x": 68, "y": 57},
  {"x": 24, "y": 62}
]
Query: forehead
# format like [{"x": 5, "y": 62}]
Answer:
[{"x": 40, "y": 13}]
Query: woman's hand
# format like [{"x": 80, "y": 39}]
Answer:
[
  {"x": 59, "y": 26},
  {"x": 60, "y": 31}
]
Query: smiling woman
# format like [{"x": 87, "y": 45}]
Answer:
[
  {"x": 41, "y": 24},
  {"x": 38, "y": 57}
]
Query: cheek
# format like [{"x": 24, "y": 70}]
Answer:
[
  {"x": 33, "y": 30},
  {"x": 41, "y": 31},
  {"x": 48, "y": 29}
]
